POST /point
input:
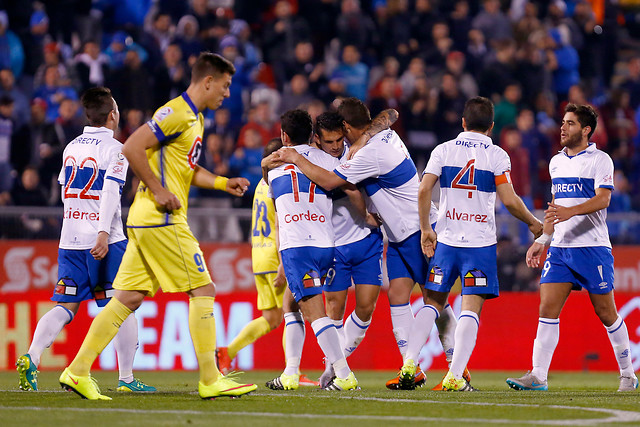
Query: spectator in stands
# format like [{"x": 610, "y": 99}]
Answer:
[
  {"x": 477, "y": 53},
  {"x": 412, "y": 74},
  {"x": 28, "y": 191},
  {"x": 35, "y": 40},
  {"x": 450, "y": 106},
  {"x": 205, "y": 16},
  {"x": 11, "y": 50},
  {"x": 539, "y": 151},
  {"x": 435, "y": 55},
  {"x": 531, "y": 73},
  {"x": 220, "y": 124},
  {"x": 390, "y": 68},
  {"x": 460, "y": 24},
  {"x": 305, "y": 63},
  {"x": 158, "y": 37},
  {"x": 45, "y": 147},
  {"x": 397, "y": 32},
  {"x": 69, "y": 124},
  {"x": 418, "y": 117},
  {"x": 528, "y": 23},
  {"x": 421, "y": 21},
  {"x": 187, "y": 37},
  {"x": 262, "y": 119},
  {"x": 133, "y": 119},
  {"x": 171, "y": 77},
  {"x": 117, "y": 50},
  {"x": 631, "y": 83},
  {"x": 619, "y": 121},
  {"x": 563, "y": 62},
  {"x": 455, "y": 65},
  {"x": 53, "y": 91},
  {"x": 500, "y": 71},
  {"x": 245, "y": 161},
  {"x": 283, "y": 32},
  {"x": 358, "y": 29},
  {"x": 506, "y": 110},
  {"x": 351, "y": 77},
  {"x": 7, "y": 144},
  {"x": 250, "y": 51},
  {"x": 389, "y": 97},
  {"x": 52, "y": 58},
  {"x": 92, "y": 66},
  {"x": 492, "y": 22},
  {"x": 511, "y": 142},
  {"x": 21, "y": 108},
  {"x": 131, "y": 85},
  {"x": 590, "y": 52},
  {"x": 296, "y": 93}
]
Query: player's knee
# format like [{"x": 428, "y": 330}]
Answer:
[
  {"x": 607, "y": 315},
  {"x": 365, "y": 311}
]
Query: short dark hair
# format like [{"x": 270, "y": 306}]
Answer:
[
  {"x": 586, "y": 114},
  {"x": 329, "y": 121},
  {"x": 354, "y": 112},
  {"x": 97, "y": 103},
  {"x": 272, "y": 146},
  {"x": 297, "y": 124},
  {"x": 211, "y": 64},
  {"x": 478, "y": 114}
]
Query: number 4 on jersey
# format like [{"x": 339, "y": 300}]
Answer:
[{"x": 469, "y": 185}]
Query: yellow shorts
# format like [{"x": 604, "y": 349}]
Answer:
[
  {"x": 166, "y": 257},
  {"x": 269, "y": 296}
]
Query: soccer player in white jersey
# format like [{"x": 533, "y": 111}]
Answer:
[
  {"x": 471, "y": 170},
  {"x": 385, "y": 170},
  {"x": 580, "y": 254},
  {"x": 92, "y": 241},
  {"x": 307, "y": 247}
]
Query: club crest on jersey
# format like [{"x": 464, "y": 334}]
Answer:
[
  {"x": 194, "y": 152},
  {"x": 66, "y": 286},
  {"x": 162, "y": 114},
  {"x": 435, "y": 275},
  {"x": 120, "y": 156},
  {"x": 475, "y": 278}
]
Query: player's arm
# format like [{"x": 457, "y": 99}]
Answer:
[
  {"x": 598, "y": 202},
  {"x": 322, "y": 177},
  {"x": 357, "y": 200},
  {"x": 268, "y": 163},
  {"x": 204, "y": 179},
  {"x": 109, "y": 202},
  {"x": 381, "y": 122},
  {"x": 516, "y": 206},
  {"x": 134, "y": 150},
  {"x": 536, "y": 250},
  {"x": 428, "y": 236}
]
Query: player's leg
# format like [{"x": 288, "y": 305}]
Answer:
[
  {"x": 357, "y": 323},
  {"x": 335, "y": 303}
]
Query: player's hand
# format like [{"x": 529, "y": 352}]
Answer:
[
  {"x": 167, "y": 200},
  {"x": 271, "y": 161},
  {"x": 373, "y": 220},
  {"x": 288, "y": 155},
  {"x": 534, "y": 254},
  {"x": 280, "y": 279},
  {"x": 237, "y": 186},
  {"x": 356, "y": 146},
  {"x": 101, "y": 248},
  {"x": 536, "y": 229},
  {"x": 428, "y": 243},
  {"x": 556, "y": 213}
]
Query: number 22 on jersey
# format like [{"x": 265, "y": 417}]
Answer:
[
  {"x": 467, "y": 171},
  {"x": 88, "y": 164}
]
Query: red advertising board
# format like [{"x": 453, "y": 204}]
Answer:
[{"x": 505, "y": 338}]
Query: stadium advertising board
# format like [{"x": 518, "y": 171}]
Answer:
[{"x": 507, "y": 327}]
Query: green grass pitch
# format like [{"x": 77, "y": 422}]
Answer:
[{"x": 574, "y": 399}]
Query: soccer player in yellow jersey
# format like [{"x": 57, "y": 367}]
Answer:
[{"x": 162, "y": 251}]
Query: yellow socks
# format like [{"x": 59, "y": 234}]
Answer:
[
  {"x": 202, "y": 326},
  {"x": 103, "y": 328},
  {"x": 249, "y": 334}
]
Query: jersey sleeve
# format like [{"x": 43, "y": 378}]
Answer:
[
  {"x": 501, "y": 162},
  {"x": 167, "y": 124},
  {"x": 603, "y": 176},
  {"x": 363, "y": 165},
  {"x": 435, "y": 163},
  {"x": 117, "y": 167}
]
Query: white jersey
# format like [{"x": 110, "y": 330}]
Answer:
[
  {"x": 574, "y": 180},
  {"x": 304, "y": 210},
  {"x": 385, "y": 170},
  {"x": 348, "y": 224},
  {"x": 470, "y": 167},
  {"x": 87, "y": 161}
]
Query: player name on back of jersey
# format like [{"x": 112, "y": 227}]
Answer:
[
  {"x": 465, "y": 216},
  {"x": 73, "y": 213}
]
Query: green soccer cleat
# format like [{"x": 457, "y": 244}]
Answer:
[
  {"x": 284, "y": 382},
  {"x": 407, "y": 375},
  {"x": 343, "y": 384},
  {"x": 225, "y": 386},
  {"x": 85, "y": 387},
  {"x": 451, "y": 383},
  {"x": 27, "y": 373},
  {"x": 135, "y": 385}
]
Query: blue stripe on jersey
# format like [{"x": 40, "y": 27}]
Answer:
[
  {"x": 162, "y": 180},
  {"x": 83, "y": 176},
  {"x": 573, "y": 188},
  {"x": 483, "y": 180},
  {"x": 189, "y": 103},
  {"x": 160, "y": 136},
  {"x": 113, "y": 178},
  {"x": 396, "y": 177},
  {"x": 283, "y": 185}
]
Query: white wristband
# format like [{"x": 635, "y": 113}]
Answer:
[{"x": 545, "y": 239}]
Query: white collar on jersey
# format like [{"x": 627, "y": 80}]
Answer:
[
  {"x": 475, "y": 135},
  {"x": 91, "y": 129},
  {"x": 590, "y": 148}
]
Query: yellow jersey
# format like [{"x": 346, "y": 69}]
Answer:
[
  {"x": 178, "y": 125},
  {"x": 264, "y": 253}
]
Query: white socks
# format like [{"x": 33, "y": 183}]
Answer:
[
  {"x": 126, "y": 345},
  {"x": 465, "y": 338},
  {"x": 48, "y": 328},
  {"x": 329, "y": 342},
  {"x": 446, "y": 325},
  {"x": 544, "y": 345},
  {"x": 294, "y": 338},
  {"x": 354, "y": 332},
  {"x": 619, "y": 338},
  {"x": 340, "y": 330},
  {"x": 420, "y": 330},
  {"x": 401, "y": 319}
]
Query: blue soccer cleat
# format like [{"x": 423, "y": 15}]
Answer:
[
  {"x": 135, "y": 385},
  {"x": 28, "y": 373}
]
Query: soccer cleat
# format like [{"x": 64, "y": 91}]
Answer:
[
  {"x": 451, "y": 383},
  {"x": 343, "y": 384},
  {"x": 223, "y": 360},
  {"x": 85, "y": 387},
  {"x": 135, "y": 385},
  {"x": 327, "y": 375},
  {"x": 284, "y": 382},
  {"x": 466, "y": 375},
  {"x": 529, "y": 382},
  {"x": 408, "y": 375},
  {"x": 628, "y": 383},
  {"x": 419, "y": 380},
  {"x": 225, "y": 386},
  {"x": 27, "y": 373},
  {"x": 305, "y": 381}
]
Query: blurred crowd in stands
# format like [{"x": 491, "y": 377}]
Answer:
[{"x": 422, "y": 57}]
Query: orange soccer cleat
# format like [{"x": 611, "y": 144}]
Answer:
[{"x": 419, "y": 380}]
